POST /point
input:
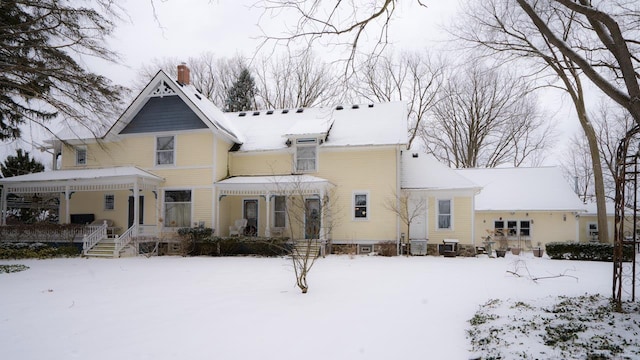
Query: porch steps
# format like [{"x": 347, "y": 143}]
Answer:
[
  {"x": 300, "y": 249},
  {"x": 105, "y": 249}
]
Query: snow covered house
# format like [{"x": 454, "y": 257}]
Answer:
[
  {"x": 173, "y": 160},
  {"x": 529, "y": 206}
]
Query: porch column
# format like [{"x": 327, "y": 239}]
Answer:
[
  {"x": 3, "y": 208},
  {"x": 267, "y": 228},
  {"x": 67, "y": 200},
  {"x": 323, "y": 235},
  {"x": 136, "y": 208},
  {"x": 216, "y": 203}
]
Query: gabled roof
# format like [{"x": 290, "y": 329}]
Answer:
[
  {"x": 355, "y": 125},
  {"x": 213, "y": 117},
  {"x": 523, "y": 189},
  {"x": 423, "y": 171}
]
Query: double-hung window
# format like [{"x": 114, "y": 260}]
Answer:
[
  {"x": 279, "y": 211},
  {"x": 177, "y": 208},
  {"x": 444, "y": 214},
  {"x": 81, "y": 155},
  {"x": 306, "y": 155},
  {"x": 109, "y": 202},
  {"x": 525, "y": 228},
  {"x": 361, "y": 206},
  {"x": 165, "y": 150}
]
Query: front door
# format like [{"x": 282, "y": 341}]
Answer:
[
  {"x": 250, "y": 212},
  {"x": 140, "y": 210},
  {"x": 312, "y": 219}
]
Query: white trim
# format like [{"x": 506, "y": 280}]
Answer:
[
  {"x": 451, "y": 214},
  {"x": 273, "y": 211},
  {"x": 353, "y": 205},
  {"x": 174, "y": 150},
  {"x": 164, "y": 209}
]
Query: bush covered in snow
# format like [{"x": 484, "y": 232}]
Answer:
[
  {"x": 36, "y": 250},
  {"x": 585, "y": 251}
]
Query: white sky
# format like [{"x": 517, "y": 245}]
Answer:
[{"x": 186, "y": 28}]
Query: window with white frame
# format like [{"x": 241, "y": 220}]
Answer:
[
  {"x": 592, "y": 231},
  {"x": 498, "y": 227},
  {"x": 165, "y": 150},
  {"x": 306, "y": 155},
  {"x": 81, "y": 155},
  {"x": 361, "y": 205},
  {"x": 525, "y": 227},
  {"x": 279, "y": 211},
  {"x": 109, "y": 201},
  {"x": 512, "y": 228},
  {"x": 444, "y": 214},
  {"x": 177, "y": 208}
]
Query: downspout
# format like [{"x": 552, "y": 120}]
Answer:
[
  {"x": 398, "y": 190},
  {"x": 214, "y": 166},
  {"x": 473, "y": 220}
]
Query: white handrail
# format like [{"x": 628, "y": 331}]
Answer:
[
  {"x": 124, "y": 240},
  {"x": 91, "y": 239}
]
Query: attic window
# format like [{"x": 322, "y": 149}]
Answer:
[
  {"x": 355, "y": 106},
  {"x": 242, "y": 114},
  {"x": 339, "y": 107},
  {"x": 256, "y": 113},
  {"x": 269, "y": 112},
  {"x": 306, "y": 155},
  {"x": 285, "y": 111},
  {"x": 198, "y": 96},
  {"x": 299, "y": 110}
]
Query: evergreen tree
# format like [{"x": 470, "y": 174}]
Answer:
[
  {"x": 241, "y": 96},
  {"x": 20, "y": 164},
  {"x": 40, "y": 77}
]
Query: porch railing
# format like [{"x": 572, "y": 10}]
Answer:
[
  {"x": 93, "y": 237},
  {"x": 124, "y": 240}
]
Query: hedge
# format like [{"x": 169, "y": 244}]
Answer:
[
  {"x": 586, "y": 251},
  {"x": 37, "y": 250}
]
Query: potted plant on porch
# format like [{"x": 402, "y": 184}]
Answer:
[{"x": 538, "y": 251}]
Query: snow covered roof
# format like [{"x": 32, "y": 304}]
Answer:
[
  {"x": 525, "y": 189},
  {"x": 424, "y": 171},
  {"x": 592, "y": 208},
  {"x": 78, "y": 174},
  {"x": 356, "y": 125}
]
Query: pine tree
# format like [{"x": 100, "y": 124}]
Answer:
[
  {"x": 40, "y": 78},
  {"x": 20, "y": 164},
  {"x": 241, "y": 96}
]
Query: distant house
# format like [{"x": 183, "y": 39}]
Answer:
[
  {"x": 588, "y": 227},
  {"x": 528, "y": 205}
]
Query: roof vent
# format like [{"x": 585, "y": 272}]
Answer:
[
  {"x": 256, "y": 113},
  {"x": 269, "y": 112},
  {"x": 339, "y": 107},
  {"x": 242, "y": 114},
  {"x": 198, "y": 96},
  {"x": 370, "y": 105},
  {"x": 355, "y": 106},
  {"x": 415, "y": 155},
  {"x": 285, "y": 111},
  {"x": 299, "y": 110}
]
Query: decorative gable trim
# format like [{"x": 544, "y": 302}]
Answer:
[{"x": 163, "y": 89}]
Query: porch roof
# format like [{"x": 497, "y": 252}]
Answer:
[
  {"x": 113, "y": 178},
  {"x": 278, "y": 184}
]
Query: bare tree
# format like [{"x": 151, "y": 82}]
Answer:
[
  {"x": 486, "y": 118},
  {"x": 578, "y": 168},
  {"x": 212, "y": 76},
  {"x": 506, "y": 33},
  {"x": 411, "y": 77},
  {"x": 295, "y": 81},
  {"x": 408, "y": 206}
]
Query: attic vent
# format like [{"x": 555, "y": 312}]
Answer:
[
  {"x": 198, "y": 96},
  {"x": 269, "y": 112},
  {"x": 370, "y": 105},
  {"x": 242, "y": 114},
  {"x": 415, "y": 155},
  {"x": 299, "y": 110},
  {"x": 339, "y": 107},
  {"x": 355, "y": 106},
  {"x": 256, "y": 113},
  {"x": 285, "y": 111}
]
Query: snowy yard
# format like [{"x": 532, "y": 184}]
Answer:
[{"x": 249, "y": 308}]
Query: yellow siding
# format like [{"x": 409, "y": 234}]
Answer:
[
  {"x": 461, "y": 226},
  {"x": 202, "y": 206},
  {"x": 586, "y": 219},
  {"x": 267, "y": 163},
  {"x": 545, "y": 226}
]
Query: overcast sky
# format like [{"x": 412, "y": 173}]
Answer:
[{"x": 185, "y": 28}]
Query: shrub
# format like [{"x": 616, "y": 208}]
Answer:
[
  {"x": 37, "y": 251},
  {"x": 217, "y": 246},
  {"x": 586, "y": 251}
]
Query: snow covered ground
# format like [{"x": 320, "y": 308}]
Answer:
[{"x": 361, "y": 307}]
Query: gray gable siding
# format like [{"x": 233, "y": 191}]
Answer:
[{"x": 168, "y": 113}]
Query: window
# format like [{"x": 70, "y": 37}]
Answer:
[
  {"x": 306, "y": 155},
  {"x": 177, "y": 208},
  {"x": 525, "y": 228},
  {"x": 279, "y": 211},
  {"x": 512, "y": 228},
  {"x": 81, "y": 155},
  {"x": 592, "y": 231},
  {"x": 444, "y": 214},
  {"x": 361, "y": 206},
  {"x": 109, "y": 202},
  {"x": 498, "y": 227},
  {"x": 165, "y": 146}
]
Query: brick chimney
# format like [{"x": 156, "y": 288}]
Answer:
[{"x": 183, "y": 74}]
